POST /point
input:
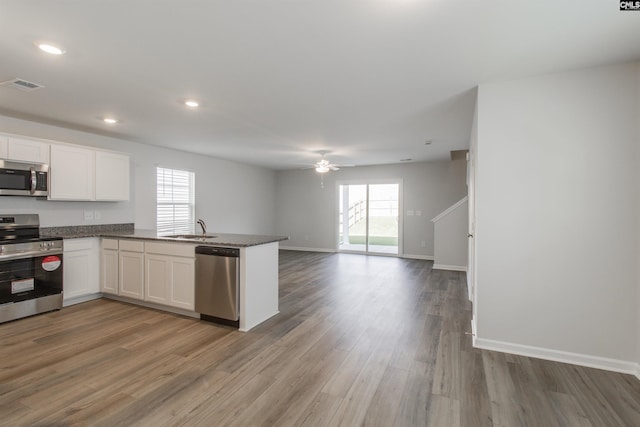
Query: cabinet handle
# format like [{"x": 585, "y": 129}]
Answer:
[{"x": 33, "y": 181}]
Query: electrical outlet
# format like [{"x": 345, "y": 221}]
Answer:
[
  {"x": 97, "y": 215},
  {"x": 410, "y": 213},
  {"x": 88, "y": 215},
  {"x": 423, "y": 244},
  {"x": 306, "y": 238}
]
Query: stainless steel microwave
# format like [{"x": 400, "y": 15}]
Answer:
[{"x": 23, "y": 179}]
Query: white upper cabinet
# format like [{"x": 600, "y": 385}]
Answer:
[
  {"x": 112, "y": 176},
  {"x": 76, "y": 172},
  {"x": 79, "y": 173},
  {"x": 4, "y": 147},
  {"x": 71, "y": 173},
  {"x": 27, "y": 150}
]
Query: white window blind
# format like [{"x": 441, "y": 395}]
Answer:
[{"x": 175, "y": 203}]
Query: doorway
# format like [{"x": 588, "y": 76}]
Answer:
[{"x": 368, "y": 220}]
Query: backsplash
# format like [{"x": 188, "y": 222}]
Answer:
[{"x": 86, "y": 230}]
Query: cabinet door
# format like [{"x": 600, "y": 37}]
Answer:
[
  {"x": 131, "y": 281},
  {"x": 80, "y": 274},
  {"x": 112, "y": 176},
  {"x": 109, "y": 271},
  {"x": 182, "y": 283},
  {"x": 71, "y": 173},
  {"x": 4, "y": 153},
  {"x": 157, "y": 278},
  {"x": 26, "y": 150}
]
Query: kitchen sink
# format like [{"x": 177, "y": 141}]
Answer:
[{"x": 192, "y": 236}]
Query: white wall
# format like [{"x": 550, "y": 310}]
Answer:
[
  {"x": 471, "y": 187},
  {"x": 557, "y": 215},
  {"x": 638, "y": 259},
  {"x": 230, "y": 197},
  {"x": 450, "y": 238},
  {"x": 308, "y": 213}
]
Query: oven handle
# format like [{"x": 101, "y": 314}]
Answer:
[
  {"x": 34, "y": 181},
  {"x": 29, "y": 254}
]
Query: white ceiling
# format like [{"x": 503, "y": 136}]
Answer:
[{"x": 370, "y": 80}]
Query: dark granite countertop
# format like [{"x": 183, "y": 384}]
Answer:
[{"x": 127, "y": 231}]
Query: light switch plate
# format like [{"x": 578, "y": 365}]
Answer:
[
  {"x": 97, "y": 215},
  {"x": 410, "y": 213}
]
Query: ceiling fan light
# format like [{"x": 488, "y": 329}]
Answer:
[{"x": 322, "y": 169}]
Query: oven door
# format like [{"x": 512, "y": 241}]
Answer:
[{"x": 30, "y": 278}]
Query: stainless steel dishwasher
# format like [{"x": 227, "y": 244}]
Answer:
[{"x": 217, "y": 284}]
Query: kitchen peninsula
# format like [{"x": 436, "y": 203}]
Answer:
[{"x": 133, "y": 261}]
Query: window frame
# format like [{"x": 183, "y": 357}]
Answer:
[{"x": 175, "y": 201}]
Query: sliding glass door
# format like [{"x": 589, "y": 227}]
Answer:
[{"x": 368, "y": 218}]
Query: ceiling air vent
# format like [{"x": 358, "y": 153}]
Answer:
[{"x": 22, "y": 84}]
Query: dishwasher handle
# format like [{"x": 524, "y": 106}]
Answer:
[{"x": 218, "y": 251}]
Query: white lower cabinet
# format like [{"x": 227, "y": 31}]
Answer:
[
  {"x": 80, "y": 272},
  {"x": 170, "y": 274},
  {"x": 131, "y": 268},
  {"x": 109, "y": 266},
  {"x": 159, "y": 273}
]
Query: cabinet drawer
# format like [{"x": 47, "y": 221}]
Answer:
[
  {"x": 131, "y": 245},
  {"x": 175, "y": 249},
  {"x": 109, "y": 244}
]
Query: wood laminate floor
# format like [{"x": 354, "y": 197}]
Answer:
[{"x": 359, "y": 340}]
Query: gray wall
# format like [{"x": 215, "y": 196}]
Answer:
[
  {"x": 308, "y": 213},
  {"x": 451, "y": 242},
  {"x": 558, "y": 216},
  {"x": 231, "y": 197}
]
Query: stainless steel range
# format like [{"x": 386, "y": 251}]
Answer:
[{"x": 30, "y": 268}]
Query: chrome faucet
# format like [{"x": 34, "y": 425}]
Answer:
[{"x": 204, "y": 227}]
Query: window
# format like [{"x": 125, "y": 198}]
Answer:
[{"x": 175, "y": 203}]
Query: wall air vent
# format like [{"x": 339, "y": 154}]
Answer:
[{"x": 22, "y": 84}]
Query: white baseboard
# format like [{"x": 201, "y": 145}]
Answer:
[
  {"x": 449, "y": 267},
  {"x": 474, "y": 332},
  {"x": 305, "y": 249},
  {"x": 424, "y": 257},
  {"x": 300, "y": 248},
  {"x": 77, "y": 300},
  {"x": 560, "y": 356}
]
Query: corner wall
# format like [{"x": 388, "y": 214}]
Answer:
[
  {"x": 231, "y": 197},
  {"x": 557, "y": 217},
  {"x": 308, "y": 213}
]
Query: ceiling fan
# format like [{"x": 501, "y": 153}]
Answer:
[{"x": 323, "y": 165}]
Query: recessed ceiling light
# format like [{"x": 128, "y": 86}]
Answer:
[
  {"x": 405, "y": 160},
  {"x": 49, "y": 48},
  {"x": 191, "y": 103},
  {"x": 428, "y": 142},
  {"x": 110, "y": 120}
]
